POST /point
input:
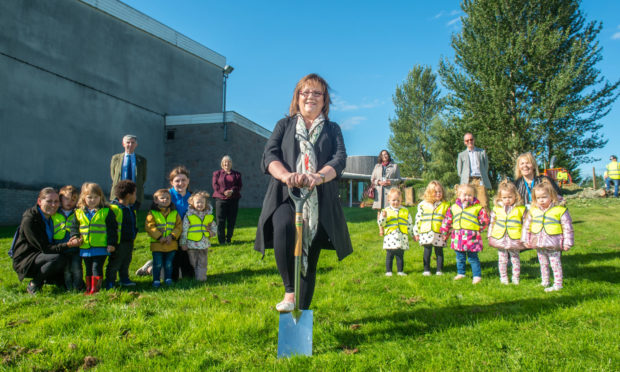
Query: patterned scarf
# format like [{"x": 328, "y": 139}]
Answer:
[{"x": 306, "y": 163}]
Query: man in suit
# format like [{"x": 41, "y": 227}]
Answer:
[
  {"x": 473, "y": 168},
  {"x": 129, "y": 166}
]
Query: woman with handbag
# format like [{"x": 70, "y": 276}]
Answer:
[{"x": 385, "y": 176}]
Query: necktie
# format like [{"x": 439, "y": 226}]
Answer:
[{"x": 129, "y": 169}]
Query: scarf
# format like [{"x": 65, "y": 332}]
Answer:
[{"x": 306, "y": 163}]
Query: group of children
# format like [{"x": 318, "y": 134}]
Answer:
[{"x": 546, "y": 227}]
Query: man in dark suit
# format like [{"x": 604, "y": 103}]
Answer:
[
  {"x": 129, "y": 166},
  {"x": 473, "y": 168}
]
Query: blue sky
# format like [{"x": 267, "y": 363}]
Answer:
[{"x": 364, "y": 49}]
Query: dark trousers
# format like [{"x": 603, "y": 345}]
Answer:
[
  {"x": 428, "y": 250},
  {"x": 181, "y": 266},
  {"x": 73, "y": 271},
  {"x": 94, "y": 265},
  {"x": 284, "y": 247},
  {"x": 389, "y": 259},
  {"x": 46, "y": 266},
  {"x": 226, "y": 216},
  {"x": 119, "y": 262}
]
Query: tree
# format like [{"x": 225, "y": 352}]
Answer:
[
  {"x": 524, "y": 79},
  {"x": 417, "y": 104}
]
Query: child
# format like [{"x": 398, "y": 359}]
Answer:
[
  {"x": 163, "y": 225},
  {"x": 198, "y": 226},
  {"x": 431, "y": 212},
  {"x": 548, "y": 227},
  {"x": 397, "y": 224},
  {"x": 99, "y": 230},
  {"x": 505, "y": 230},
  {"x": 63, "y": 219},
  {"x": 125, "y": 194},
  {"x": 467, "y": 219}
]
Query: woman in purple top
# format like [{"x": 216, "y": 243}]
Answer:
[{"x": 226, "y": 191}]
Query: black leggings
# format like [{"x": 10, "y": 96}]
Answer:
[
  {"x": 428, "y": 250},
  {"x": 284, "y": 247},
  {"x": 389, "y": 258},
  {"x": 94, "y": 265},
  {"x": 46, "y": 266}
]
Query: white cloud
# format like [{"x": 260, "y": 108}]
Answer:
[
  {"x": 616, "y": 36},
  {"x": 350, "y": 123},
  {"x": 339, "y": 104},
  {"x": 453, "y": 21},
  {"x": 439, "y": 15}
]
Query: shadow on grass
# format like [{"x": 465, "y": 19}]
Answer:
[{"x": 574, "y": 266}]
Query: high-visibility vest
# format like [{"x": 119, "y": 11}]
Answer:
[
  {"x": 118, "y": 213},
  {"x": 511, "y": 222},
  {"x": 62, "y": 225},
  {"x": 467, "y": 218},
  {"x": 549, "y": 220},
  {"x": 396, "y": 220},
  {"x": 198, "y": 228},
  {"x": 432, "y": 218},
  {"x": 93, "y": 231},
  {"x": 166, "y": 224},
  {"x": 613, "y": 170}
]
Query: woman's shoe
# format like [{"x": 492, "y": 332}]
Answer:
[
  {"x": 285, "y": 306},
  {"x": 143, "y": 271}
]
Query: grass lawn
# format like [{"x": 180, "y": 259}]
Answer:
[{"x": 362, "y": 319}]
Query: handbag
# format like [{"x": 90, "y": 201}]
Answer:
[{"x": 370, "y": 191}]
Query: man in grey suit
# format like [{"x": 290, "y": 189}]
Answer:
[
  {"x": 473, "y": 168},
  {"x": 129, "y": 166}
]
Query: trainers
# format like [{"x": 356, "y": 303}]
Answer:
[
  {"x": 32, "y": 288},
  {"x": 515, "y": 281},
  {"x": 127, "y": 283},
  {"x": 168, "y": 281},
  {"x": 459, "y": 277},
  {"x": 553, "y": 288},
  {"x": 389, "y": 273},
  {"x": 426, "y": 273},
  {"x": 504, "y": 281},
  {"x": 476, "y": 280},
  {"x": 544, "y": 284},
  {"x": 143, "y": 270},
  {"x": 401, "y": 273},
  {"x": 109, "y": 285},
  {"x": 285, "y": 306},
  {"x": 438, "y": 273},
  {"x": 156, "y": 284}
]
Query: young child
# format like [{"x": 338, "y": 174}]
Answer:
[
  {"x": 548, "y": 227},
  {"x": 198, "y": 226},
  {"x": 397, "y": 224},
  {"x": 63, "y": 219},
  {"x": 125, "y": 194},
  {"x": 164, "y": 226},
  {"x": 99, "y": 230},
  {"x": 505, "y": 230},
  {"x": 426, "y": 230},
  {"x": 467, "y": 219}
]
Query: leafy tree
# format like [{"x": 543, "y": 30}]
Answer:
[
  {"x": 524, "y": 79},
  {"x": 417, "y": 104}
]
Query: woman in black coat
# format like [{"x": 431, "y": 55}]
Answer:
[
  {"x": 35, "y": 254},
  {"x": 305, "y": 150},
  {"x": 527, "y": 176}
]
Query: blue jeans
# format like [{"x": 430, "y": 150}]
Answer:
[
  {"x": 474, "y": 261},
  {"x": 162, "y": 259},
  {"x": 608, "y": 182}
]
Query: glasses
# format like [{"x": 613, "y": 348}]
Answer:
[
  {"x": 469, "y": 140},
  {"x": 313, "y": 93}
]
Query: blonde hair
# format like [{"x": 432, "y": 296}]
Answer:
[
  {"x": 159, "y": 192},
  {"x": 310, "y": 79},
  {"x": 69, "y": 191},
  {"x": 89, "y": 188},
  {"x": 508, "y": 187},
  {"x": 429, "y": 193},
  {"x": 197, "y": 195},
  {"x": 464, "y": 187},
  {"x": 531, "y": 159},
  {"x": 548, "y": 188},
  {"x": 395, "y": 190}
]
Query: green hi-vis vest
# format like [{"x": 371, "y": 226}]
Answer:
[
  {"x": 164, "y": 223},
  {"x": 613, "y": 170},
  {"x": 62, "y": 225},
  {"x": 432, "y": 218},
  {"x": 198, "y": 228},
  {"x": 549, "y": 220},
  {"x": 467, "y": 218},
  {"x": 118, "y": 213},
  {"x": 511, "y": 222},
  {"x": 395, "y": 220},
  {"x": 94, "y": 231}
]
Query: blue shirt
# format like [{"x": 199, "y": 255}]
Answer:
[
  {"x": 49, "y": 226},
  {"x": 180, "y": 202}
]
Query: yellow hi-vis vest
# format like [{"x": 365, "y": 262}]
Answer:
[
  {"x": 94, "y": 231},
  {"x": 613, "y": 170},
  {"x": 467, "y": 218},
  {"x": 118, "y": 213},
  {"x": 164, "y": 223},
  {"x": 198, "y": 228},
  {"x": 432, "y": 218},
  {"x": 398, "y": 220},
  {"x": 511, "y": 222},
  {"x": 549, "y": 220},
  {"x": 62, "y": 224}
]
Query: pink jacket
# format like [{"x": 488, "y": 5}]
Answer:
[
  {"x": 545, "y": 241},
  {"x": 465, "y": 240}
]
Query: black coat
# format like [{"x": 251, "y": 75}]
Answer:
[
  {"x": 330, "y": 150},
  {"x": 32, "y": 241},
  {"x": 522, "y": 189}
]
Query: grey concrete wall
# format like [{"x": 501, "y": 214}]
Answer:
[{"x": 200, "y": 148}]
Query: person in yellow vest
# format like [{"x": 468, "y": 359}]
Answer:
[
  {"x": 97, "y": 226},
  {"x": 426, "y": 230},
  {"x": 505, "y": 230},
  {"x": 548, "y": 227},
  {"x": 164, "y": 226},
  {"x": 466, "y": 219},
  {"x": 397, "y": 225},
  {"x": 198, "y": 227},
  {"x": 613, "y": 174},
  {"x": 63, "y": 219}
]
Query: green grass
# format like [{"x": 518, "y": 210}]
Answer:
[{"x": 362, "y": 319}]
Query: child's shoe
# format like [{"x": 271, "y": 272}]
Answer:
[
  {"x": 389, "y": 273},
  {"x": 504, "y": 280},
  {"x": 544, "y": 284},
  {"x": 168, "y": 282},
  {"x": 459, "y": 277},
  {"x": 515, "y": 281},
  {"x": 476, "y": 280},
  {"x": 426, "y": 273},
  {"x": 439, "y": 273},
  {"x": 156, "y": 284},
  {"x": 143, "y": 271},
  {"x": 127, "y": 283},
  {"x": 401, "y": 273},
  {"x": 109, "y": 285},
  {"x": 553, "y": 288}
]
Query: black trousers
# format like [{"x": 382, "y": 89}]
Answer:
[
  {"x": 119, "y": 262},
  {"x": 284, "y": 251},
  {"x": 47, "y": 266},
  {"x": 428, "y": 250},
  {"x": 94, "y": 265},
  {"x": 226, "y": 217},
  {"x": 181, "y": 264},
  {"x": 389, "y": 259}
]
